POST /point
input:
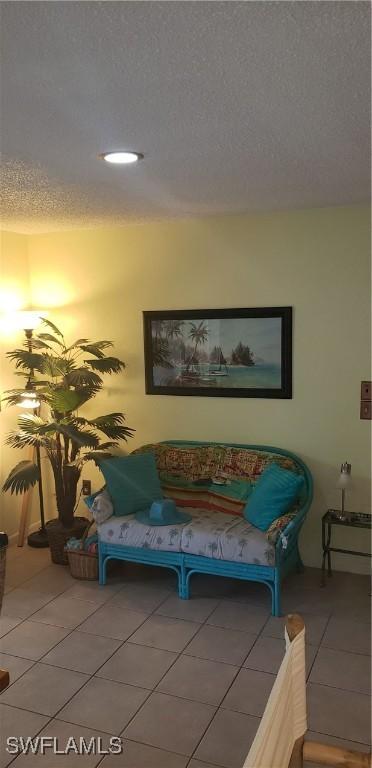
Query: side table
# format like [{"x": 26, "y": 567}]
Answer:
[{"x": 350, "y": 520}]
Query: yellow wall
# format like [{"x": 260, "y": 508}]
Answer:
[
  {"x": 14, "y": 294},
  {"x": 315, "y": 260}
]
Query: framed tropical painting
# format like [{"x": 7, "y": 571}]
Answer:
[{"x": 219, "y": 352}]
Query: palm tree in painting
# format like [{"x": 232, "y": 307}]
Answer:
[
  {"x": 173, "y": 328},
  {"x": 160, "y": 352},
  {"x": 157, "y": 327},
  {"x": 198, "y": 335}
]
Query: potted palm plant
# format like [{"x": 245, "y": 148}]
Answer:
[{"x": 62, "y": 378}]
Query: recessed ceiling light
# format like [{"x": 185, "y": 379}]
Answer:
[{"x": 121, "y": 158}]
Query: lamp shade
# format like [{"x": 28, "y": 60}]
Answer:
[
  {"x": 344, "y": 478},
  {"x": 29, "y": 400},
  {"x": 28, "y": 319}
]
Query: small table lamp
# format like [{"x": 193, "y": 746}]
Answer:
[{"x": 344, "y": 483}]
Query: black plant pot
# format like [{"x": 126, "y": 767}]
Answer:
[{"x": 58, "y": 535}]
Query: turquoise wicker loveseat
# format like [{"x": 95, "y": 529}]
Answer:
[{"x": 214, "y": 482}]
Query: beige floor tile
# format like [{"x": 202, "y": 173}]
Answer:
[
  {"x": 346, "y": 635},
  {"x": 317, "y": 601},
  {"x": 15, "y": 666},
  {"x": 249, "y": 692},
  {"x": 268, "y": 652},
  {"x": 22, "y": 603},
  {"x": 195, "y": 609},
  {"x": 247, "y": 618},
  {"x": 31, "y": 640},
  {"x": 81, "y": 652},
  {"x": 62, "y": 732},
  {"x": 137, "y": 665},
  {"x": 218, "y": 644},
  {"x": 314, "y": 627},
  {"x": 339, "y": 713},
  {"x": 53, "y": 579},
  {"x": 104, "y": 705},
  {"x": 198, "y": 679},
  {"x": 65, "y": 612},
  {"x": 43, "y": 689},
  {"x": 162, "y": 632},
  {"x": 92, "y": 592},
  {"x": 351, "y": 671},
  {"x": 198, "y": 764},
  {"x": 176, "y": 725},
  {"x": 7, "y": 623},
  {"x": 228, "y": 739},
  {"x": 17, "y": 722},
  {"x": 140, "y": 597},
  {"x": 113, "y": 621},
  {"x": 137, "y": 755},
  {"x": 251, "y": 593}
]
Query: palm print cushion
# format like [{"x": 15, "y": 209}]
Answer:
[{"x": 216, "y": 535}]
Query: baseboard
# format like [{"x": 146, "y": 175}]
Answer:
[{"x": 13, "y": 538}]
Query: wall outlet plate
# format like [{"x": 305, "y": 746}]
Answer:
[
  {"x": 366, "y": 409},
  {"x": 366, "y": 390},
  {"x": 87, "y": 487}
]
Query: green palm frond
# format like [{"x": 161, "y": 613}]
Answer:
[
  {"x": 112, "y": 425},
  {"x": 76, "y": 344},
  {"x": 106, "y": 365},
  {"x": 49, "y": 337},
  {"x": 83, "y": 438},
  {"x": 37, "y": 343},
  {"x": 23, "y": 438},
  {"x": 22, "y": 477},
  {"x": 53, "y": 327},
  {"x": 31, "y": 422},
  {"x": 26, "y": 360},
  {"x": 95, "y": 348},
  {"x": 68, "y": 400},
  {"x": 55, "y": 366},
  {"x": 103, "y": 451},
  {"x": 81, "y": 377}
]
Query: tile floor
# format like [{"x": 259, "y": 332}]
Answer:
[{"x": 184, "y": 683}]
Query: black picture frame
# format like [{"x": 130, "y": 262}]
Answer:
[{"x": 199, "y": 379}]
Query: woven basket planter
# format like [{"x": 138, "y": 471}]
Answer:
[
  {"x": 58, "y": 536},
  {"x": 83, "y": 565}
]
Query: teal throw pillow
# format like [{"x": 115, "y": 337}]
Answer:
[
  {"x": 132, "y": 482},
  {"x": 275, "y": 493}
]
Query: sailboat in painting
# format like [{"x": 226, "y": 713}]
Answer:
[{"x": 222, "y": 369}]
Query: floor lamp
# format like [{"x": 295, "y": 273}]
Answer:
[{"x": 29, "y": 320}]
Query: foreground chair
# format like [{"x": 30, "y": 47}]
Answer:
[{"x": 280, "y": 739}]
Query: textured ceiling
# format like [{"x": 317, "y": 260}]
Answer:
[{"x": 237, "y": 106}]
